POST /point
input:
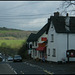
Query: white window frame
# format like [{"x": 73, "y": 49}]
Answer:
[
  {"x": 48, "y": 51},
  {"x": 54, "y": 52},
  {"x": 52, "y": 37}
]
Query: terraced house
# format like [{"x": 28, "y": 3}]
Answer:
[
  {"x": 61, "y": 37},
  {"x": 29, "y": 42},
  {"x": 54, "y": 39},
  {"x": 39, "y": 43}
]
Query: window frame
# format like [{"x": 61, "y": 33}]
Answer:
[
  {"x": 54, "y": 53},
  {"x": 52, "y": 37},
  {"x": 35, "y": 43},
  {"x": 48, "y": 51},
  {"x": 32, "y": 43}
]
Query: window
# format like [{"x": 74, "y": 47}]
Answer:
[
  {"x": 54, "y": 53},
  {"x": 31, "y": 46},
  {"x": 52, "y": 38},
  {"x": 36, "y": 43},
  {"x": 48, "y": 52},
  {"x": 33, "y": 43},
  {"x": 35, "y": 53}
]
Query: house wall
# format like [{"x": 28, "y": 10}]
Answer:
[
  {"x": 62, "y": 45},
  {"x": 44, "y": 35},
  {"x": 51, "y": 45},
  {"x": 59, "y": 44},
  {"x": 39, "y": 53},
  {"x": 72, "y": 44},
  {"x": 34, "y": 52},
  {"x": 29, "y": 50}
]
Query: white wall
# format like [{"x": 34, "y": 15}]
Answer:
[
  {"x": 44, "y": 35},
  {"x": 51, "y": 45},
  {"x": 60, "y": 44},
  {"x": 72, "y": 44},
  {"x": 34, "y": 46},
  {"x": 39, "y": 41}
]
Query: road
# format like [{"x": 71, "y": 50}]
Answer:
[
  {"x": 34, "y": 67},
  {"x": 26, "y": 68},
  {"x": 55, "y": 68},
  {"x": 5, "y": 69},
  {"x": 20, "y": 68}
]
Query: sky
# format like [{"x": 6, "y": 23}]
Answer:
[{"x": 27, "y": 15}]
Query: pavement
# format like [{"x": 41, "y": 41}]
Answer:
[{"x": 54, "y": 68}]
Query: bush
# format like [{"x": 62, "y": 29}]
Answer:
[{"x": 23, "y": 51}]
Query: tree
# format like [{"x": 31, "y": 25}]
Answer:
[
  {"x": 23, "y": 51},
  {"x": 4, "y": 45},
  {"x": 67, "y": 6}
]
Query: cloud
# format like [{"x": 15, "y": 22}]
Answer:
[{"x": 16, "y": 14}]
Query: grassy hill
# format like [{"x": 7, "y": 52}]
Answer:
[
  {"x": 11, "y": 40},
  {"x": 13, "y": 34}
]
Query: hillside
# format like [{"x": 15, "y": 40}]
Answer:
[{"x": 13, "y": 34}]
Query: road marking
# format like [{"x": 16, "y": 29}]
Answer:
[
  {"x": 30, "y": 64},
  {"x": 48, "y": 72},
  {"x": 11, "y": 68},
  {"x": 39, "y": 67},
  {"x": 22, "y": 72}
]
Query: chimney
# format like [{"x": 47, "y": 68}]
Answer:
[
  {"x": 56, "y": 13},
  {"x": 67, "y": 15},
  {"x": 48, "y": 20}
]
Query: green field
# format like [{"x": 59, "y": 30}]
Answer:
[
  {"x": 13, "y": 43},
  {"x": 6, "y": 31}
]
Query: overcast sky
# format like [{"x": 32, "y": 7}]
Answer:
[{"x": 26, "y": 15}]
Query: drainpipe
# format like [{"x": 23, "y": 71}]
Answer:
[
  {"x": 67, "y": 22},
  {"x": 67, "y": 41},
  {"x": 68, "y": 46}
]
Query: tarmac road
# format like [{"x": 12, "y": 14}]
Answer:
[{"x": 5, "y": 69}]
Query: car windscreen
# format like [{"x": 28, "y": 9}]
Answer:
[{"x": 17, "y": 57}]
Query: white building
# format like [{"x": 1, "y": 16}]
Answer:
[
  {"x": 37, "y": 47},
  {"x": 29, "y": 43},
  {"x": 37, "y": 40},
  {"x": 61, "y": 37}
]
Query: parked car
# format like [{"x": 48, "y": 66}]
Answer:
[
  {"x": 10, "y": 58},
  {"x": 1, "y": 58},
  {"x": 17, "y": 58}
]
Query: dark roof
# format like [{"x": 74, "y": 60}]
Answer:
[
  {"x": 43, "y": 30},
  {"x": 31, "y": 37},
  {"x": 59, "y": 24},
  {"x": 34, "y": 37}
]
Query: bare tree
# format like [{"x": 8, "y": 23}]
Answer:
[{"x": 68, "y": 6}]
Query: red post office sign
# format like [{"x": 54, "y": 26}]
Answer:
[{"x": 43, "y": 39}]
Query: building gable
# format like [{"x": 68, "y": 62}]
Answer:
[{"x": 60, "y": 24}]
